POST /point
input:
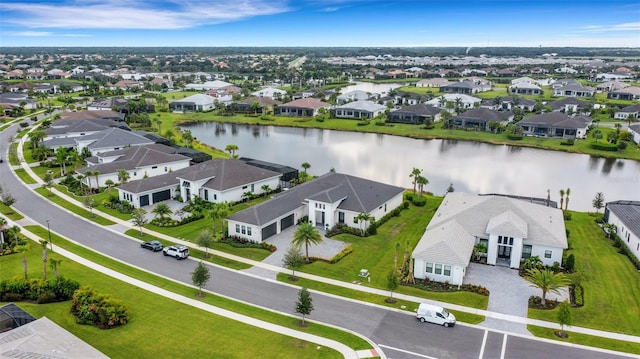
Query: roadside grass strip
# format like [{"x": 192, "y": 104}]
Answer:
[{"x": 585, "y": 339}]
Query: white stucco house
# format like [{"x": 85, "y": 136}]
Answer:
[
  {"x": 625, "y": 215},
  {"x": 197, "y": 102},
  {"x": 216, "y": 180},
  {"x": 328, "y": 200},
  {"x": 511, "y": 229}
]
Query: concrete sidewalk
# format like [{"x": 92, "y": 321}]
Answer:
[{"x": 269, "y": 267}]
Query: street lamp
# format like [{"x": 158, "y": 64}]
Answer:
[{"x": 49, "y": 231}]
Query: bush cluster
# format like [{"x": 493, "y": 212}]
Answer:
[
  {"x": 568, "y": 142},
  {"x": 576, "y": 295},
  {"x": 100, "y": 310},
  {"x": 536, "y": 303},
  {"x": 345, "y": 252},
  {"x": 604, "y": 146},
  {"x": 239, "y": 242},
  {"x": 418, "y": 201},
  {"x": 434, "y": 286},
  {"x": 37, "y": 290},
  {"x": 514, "y": 137}
]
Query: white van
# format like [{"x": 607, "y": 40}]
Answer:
[{"x": 435, "y": 314}]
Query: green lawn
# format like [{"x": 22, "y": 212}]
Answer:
[
  {"x": 160, "y": 327},
  {"x": 589, "y": 340},
  {"x": 376, "y": 253},
  {"x": 612, "y": 292},
  {"x": 75, "y": 209}
]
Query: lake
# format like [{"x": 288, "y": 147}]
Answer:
[{"x": 472, "y": 167}]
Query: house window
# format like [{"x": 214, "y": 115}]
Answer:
[
  {"x": 215, "y": 196},
  {"x": 245, "y": 187},
  {"x": 526, "y": 251},
  {"x": 206, "y": 195},
  {"x": 248, "y": 230},
  {"x": 252, "y": 187},
  {"x": 547, "y": 254},
  {"x": 340, "y": 217},
  {"x": 154, "y": 167},
  {"x": 447, "y": 271},
  {"x": 237, "y": 228},
  {"x": 429, "y": 268},
  {"x": 135, "y": 174},
  {"x": 165, "y": 169},
  {"x": 438, "y": 269},
  {"x": 244, "y": 230}
]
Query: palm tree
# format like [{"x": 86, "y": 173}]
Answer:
[
  {"x": 24, "y": 250},
  {"x": 232, "y": 149},
  {"x": 414, "y": 174},
  {"x": 36, "y": 137},
  {"x": 547, "y": 281},
  {"x": 109, "y": 183},
  {"x": 62, "y": 154},
  {"x": 305, "y": 166},
  {"x": 123, "y": 176},
  {"x": 96, "y": 173},
  {"x": 422, "y": 181},
  {"x": 306, "y": 234},
  {"x": 55, "y": 264},
  {"x": 363, "y": 218},
  {"x": 87, "y": 176},
  {"x": 566, "y": 201},
  {"x": 43, "y": 244},
  {"x": 161, "y": 210},
  {"x": 265, "y": 189},
  {"x": 561, "y": 197}
]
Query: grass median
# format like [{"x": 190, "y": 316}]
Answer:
[
  {"x": 348, "y": 339},
  {"x": 585, "y": 339}
]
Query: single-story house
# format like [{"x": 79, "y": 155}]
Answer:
[
  {"x": 480, "y": 118},
  {"x": 110, "y": 103},
  {"x": 356, "y": 95},
  {"x": 328, "y": 200},
  {"x": 615, "y": 76},
  {"x": 197, "y": 102},
  {"x": 511, "y": 229},
  {"x": 571, "y": 105},
  {"x": 362, "y": 109},
  {"x": 207, "y": 85},
  {"x": 525, "y": 88},
  {"x": 611, "y": 86},
  {"x": 572, "y": 90},
  {"x": 304, "y": 107},
  {"x": 465, "y": 87},
  {"x": 508, "y": 103},
  {"x": 249, "y": 104},
  {"x": 557, "y": 125},
  {"x": 625, "y": 215},
  {"x": 415, "y": 114},
  {"x": 466, "y": 101},
  {"x": 624, "y": 113},
  {"x": 434, "y": 82},
  {"x": 635, "y": 132},
  {"x": 627, "y": 93},
  {"x": 217, "y": 180},
  {"x": 109, "y": 139},
  {"x": 139, "y": 162},
  {"x": 270, "y": 92}
]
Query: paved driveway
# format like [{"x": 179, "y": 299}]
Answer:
[
  {"x": 328, "y": 248},
  {"x": 509, "y": 294}
]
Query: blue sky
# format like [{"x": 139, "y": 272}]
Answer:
[{"x": 366, "y": 23}]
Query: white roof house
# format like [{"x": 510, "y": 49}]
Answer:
[
  {"x": 467, "y": 101},
  {"x": 197, "y": 102},
  {"x": 511, "y": 229},
  {"x": 360, "y": 109},
  {"x": 271, "y": 92}
]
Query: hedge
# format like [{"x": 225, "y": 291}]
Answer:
[
  {"x": 603, "y": 146},
  {"x": 58, "y": 289}
]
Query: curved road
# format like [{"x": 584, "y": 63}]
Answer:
[{"x": 399, "y": 334}]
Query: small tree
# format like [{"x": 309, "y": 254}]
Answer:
[
  {"x": 265, "y": 189},
  {"x": 162, "y": 210},
  {"x": 139, "y": 219},
  {"x": 564, "y": 317},
  {"x": 393, "y": 281},
  {"x": 306, "y": 234},
  {"x": 43, "y": 244},
  {"x": 200, "y": 276},
  {"x": 304, "y": 305},
  {"x": 7, "y": 199},
  {"x": 294, "y": 260},
  {"x": 90, "y": 203},
  {"x": 48, "y": 182},
  {"x": 547, "y": 281},
  {"x": 598, "y": 202},
  {"x": 363, "y": 221},
  {"x": 54, "y": 264},
  {"x": 232, "y": 150},
  {"x": 109, "y": 183},
  {"x": 305, "y": 166},
  {"x": 205, "y": 239}
]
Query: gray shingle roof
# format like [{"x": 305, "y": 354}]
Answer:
[
  {"x": 556, "y": 119},
  {"x": 628, "y": 212},
  {"x": 226, "y": 173},
  {"x": 360, "y": 195},
  {"x": 115, "y": 137},
  {"x": 420, "y": 109},
  {"x": 485, "y": 114},
  {"x": 363, "y": 105},
  {"x": 134, "y": 157}
]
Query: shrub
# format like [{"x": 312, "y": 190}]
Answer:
[
  {"x": 622, "y": 145},
  {"x": 569, "y": 263},
  {"x": 37, "y": 290},
  {"x": 419, "y": 201},
  {"x": 514, "y": 137},
  {"x": 320, "y": 119},
  {"x": 98, "y": 310},
  {"x": 363, "y": 123},
  {"x": 568, "y": 142},
  {"x": 567, "y": 215},
  {"x": 603, "y": 146},
  {"x": 576, "y": 295}
]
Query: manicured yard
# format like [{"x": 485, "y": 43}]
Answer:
[
  {"x": 376, "y": 253},
  {"x": 160, "y": 327},
  {"x": 611, "y": 294},
  {"x": 589, "y": 340}
]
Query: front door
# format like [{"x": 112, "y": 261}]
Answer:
[{"x": 504, "y": 252}]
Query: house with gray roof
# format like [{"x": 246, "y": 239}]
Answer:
[
  {"x": 508, "y": 103},
  {"x": 139, "y": 162},
  {"x": 465, "y": 87},
  {"x": 328, "y": 200},
  {"x": 304, "y": 107},
  {"x": 625, "y": 215},
  {"x": 571, "y": 105},
  {"x": 628, "y": 112},
  {"x": 525, "y": 88},
  {"x": 574, "y": 90},
  {"x": 627, "y": 93},
  {"x": 511, "y": 229},
  {"x": 270, "y": 92},
  {"x": 557, "y": 125},
  {"x": 110, "y": 139},
  {"x": 217, "y": 180},
  {"x": 356, "y": 95},
  {"x": 479, "y": 118},
  {"x": 197, "y": 102},
  {"x": 363, "y": 109},
  {"x": 415, "y": 114},
  {"x": 109, "y": 103},
  {"x": 635, "y": 132}
]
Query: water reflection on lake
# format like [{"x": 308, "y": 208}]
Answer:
[{"x": 470, "y": 166}]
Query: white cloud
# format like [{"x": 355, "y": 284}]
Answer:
[
  {"x": 629, "y": 26},
  {"x": 121, "y": 14},
  {"x": 45, "y": 34}
]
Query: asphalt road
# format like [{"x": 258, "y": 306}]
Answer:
[{"x": 400, "y": 335}]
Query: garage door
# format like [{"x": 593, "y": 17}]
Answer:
[
  {"x": 286, "y": 222},
  {"x": 144, "y": 200},
  {"x": 161, "y": 196},
  {"x": 269, "y": 230}
]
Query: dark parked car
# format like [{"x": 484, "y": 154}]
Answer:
[{"x": 152, "y": 245}]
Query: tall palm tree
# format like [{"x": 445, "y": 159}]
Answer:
[
  {"x": 123, "y": 176},
  {"x": 566, "y": 201},
  {"x": 561, "y": 197},
  {"x": 161, "y": 210},
  {"x": 415, "y": 172},
  {"x": 96, "y": 173},
  {"x": 422, "y": 181},
  {"x": 62, "y": 154},
  {"x": 547, "y": 281},
  {"x": 87, "y": 176},
  {"x": 43, "y": 244},
  {"x": 363, "y": 218},
  {"x": 306, "y": 234}
]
